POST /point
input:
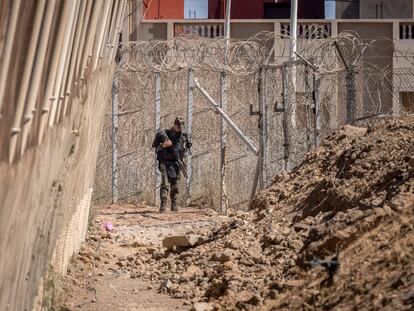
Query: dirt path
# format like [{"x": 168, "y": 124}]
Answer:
[{"x": 108, "y": 274}]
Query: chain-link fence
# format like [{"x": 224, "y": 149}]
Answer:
[{"x": 283, "y": 108}]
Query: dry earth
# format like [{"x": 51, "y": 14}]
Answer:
[
  {"x": 336, "y": 233},
  {"x": 108, "y": 273}
]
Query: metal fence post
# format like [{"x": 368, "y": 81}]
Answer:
[
  {"x": 309, "y": 111},
  {"x": 190, "y": 86},
  {"x": 259, "y": 172},
  {"x": 350, "y": 96},
  {"x": 263, "y": 127},
  {"x": 115, "y": 192},
  {"x": 285, "y": 120},
  {"x": 349, "y": 85},
  {"x": 223, "y": 141},
  {"x": 316, "y": 98},
  {"x": 157, "y": 128}
]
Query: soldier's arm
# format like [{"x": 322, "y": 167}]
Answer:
[
  {"x": 163, "y": 140},
  {"x": 156, "y": 141},
  {"x": 189, "y": 143}
]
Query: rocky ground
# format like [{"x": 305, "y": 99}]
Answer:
[
  {"x": 116, "y": 270},
  {"x": 336, "y": 234}
]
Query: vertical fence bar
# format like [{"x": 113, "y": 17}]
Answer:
[
  {"x": 64, "y": 96},
  {"x": 190, "y": 87},
  {"x": 223, "y": 142},
  {"x": 309, "y": 107},
  {"x": 115, "y": 189},
  {"x": 157, "y": 103},
  {"x": 25, "y": 83},
  {"x": 58, "y": 57},
  {"x": 37, "y": 73},
  {"x": 75, "y": 56},
  {"x": 350, "y": 96},
  {"x": 317, "y": 103},
  {"x": 263, "y": 127},
  {"x": 64, "y": 63},
  {"x": 101, "y": 33},
  {"x": 285, "y": 120},
  {"x": 259, "y": 164},
  {"x": 8, "y": 49}
]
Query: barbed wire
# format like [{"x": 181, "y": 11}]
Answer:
[
  {"x": 240, "y": 57},
  {"x": 356, "y": 82}
]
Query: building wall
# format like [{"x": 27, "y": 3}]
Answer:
[
  {"x": 311, "y": 9},
  {"x": 366, "y": 9},
  {"x": 254, "y": 9},
  {"x": 247, "y": 9},
  {"x": 346, "y": 9},
  {"x": 216, "y": 9},
  {"x": 163, "y": 9},
  {"x": 245, "y": 31},
  {"x": 386, "y": 9}
]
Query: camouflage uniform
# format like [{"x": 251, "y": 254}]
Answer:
[{"x": 168, "y": 164}]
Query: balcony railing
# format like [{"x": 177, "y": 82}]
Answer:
[
  {"x": 209, "y": 30},
  {"x": 406, "y": 31},
  {"x": 309, "y": 31}
]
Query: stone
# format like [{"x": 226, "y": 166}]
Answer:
[
  {"x": 157, "y": 255},
  {"x": 202, "y": 306},
  {"x": 166, "y": 285},
  {"x": 188, "y": 240},
  {"x": 192, "y": 272},
  {"x": 234, "y": 244},
  {"x": 221, "y": 257},
  {"x": 246, "y": 262},
  {"x": 151, "y": 250}
]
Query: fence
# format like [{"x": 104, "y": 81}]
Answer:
[{"x": 283, "y": 108}]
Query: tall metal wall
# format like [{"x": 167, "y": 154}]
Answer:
[{"x": 56, "y": 70}]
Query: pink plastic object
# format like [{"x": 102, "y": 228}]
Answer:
[{"x": 108, "y": 226}]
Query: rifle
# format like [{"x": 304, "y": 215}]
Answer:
[
  {"x": 177, "y": 157},
  {"x": 180, "y": 162}
]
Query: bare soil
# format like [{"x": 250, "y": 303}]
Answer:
[
  {"x": 336, "y": 233},
  {"x": 108, "y": 273}
]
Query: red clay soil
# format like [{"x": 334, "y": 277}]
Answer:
[{"x": 336, "y": 233}]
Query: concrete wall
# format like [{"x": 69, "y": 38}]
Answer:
[
  {"x": 53, "y": 57},
  {"x": 365, "y": 9},
  {"x": 246, "y": 30},
  {"x": 386, "y": 9},
  {"x": 156, "y": 31}
]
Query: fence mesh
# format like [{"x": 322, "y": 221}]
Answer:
[{"x": 284, "y": 108}]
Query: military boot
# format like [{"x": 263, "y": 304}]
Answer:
[
  {"x": 162, "y": 207},
  {"x": 174, "y": 207}
]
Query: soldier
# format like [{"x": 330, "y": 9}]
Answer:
[{"x": 171, "y": 147}]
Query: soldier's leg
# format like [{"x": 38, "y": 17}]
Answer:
[
  {"x": 174, "y": 193},
  {"x": 165, "y": 187}
]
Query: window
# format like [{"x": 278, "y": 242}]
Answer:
[
  {"x": 276, "y": 10},
  {"x": 196, "y": 9}
]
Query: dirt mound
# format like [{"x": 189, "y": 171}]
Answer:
[{"x": 334, "y": 233}]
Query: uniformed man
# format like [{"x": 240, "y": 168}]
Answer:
[{"x": 171, "y": 147}]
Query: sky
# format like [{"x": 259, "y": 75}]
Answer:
[
  {"x": 330, "y": 6},
  {"x": 199, "y": 6}
]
